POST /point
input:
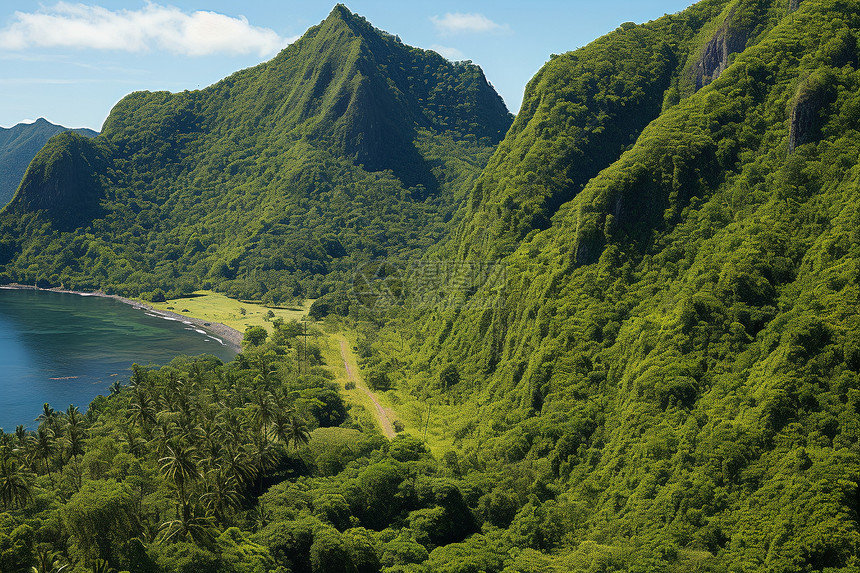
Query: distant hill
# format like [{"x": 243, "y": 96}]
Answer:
[
  {"x": 271, "y": 184},
  {"x": 18, "y": 146}
]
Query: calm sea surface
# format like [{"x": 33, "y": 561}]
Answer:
[{"x": 67, "y": 349}]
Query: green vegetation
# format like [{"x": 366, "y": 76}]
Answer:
[
  {"x": 667, "y": 380},
  {"x": 213, "y": 307},
  {"x": 252, "y": 466},
  {"x": 18, "y": 146},
  {"x": 579, "y": 113},
  {"x": 270, "y": 185}
]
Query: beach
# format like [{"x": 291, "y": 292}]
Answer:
[{"x": 230, "y": 336}]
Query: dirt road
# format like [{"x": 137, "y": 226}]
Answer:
[{"x": 351, "y": 375}]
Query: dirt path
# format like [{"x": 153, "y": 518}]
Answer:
[{"x": 379, "y": 414}]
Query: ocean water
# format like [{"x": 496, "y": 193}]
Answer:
[{"x": 67, "y": 349}]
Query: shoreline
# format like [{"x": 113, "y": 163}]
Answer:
[{"x": 230, "y": 336}]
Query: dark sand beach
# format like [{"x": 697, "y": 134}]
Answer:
[{"x": 230, "y": 336}]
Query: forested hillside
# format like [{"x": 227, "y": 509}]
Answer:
[
  {"x": 668, "y": 380},
  {"x": 662, "y": 376},
  {"x": 271, "y": 184},
  {"x": 18, "y": 146}
]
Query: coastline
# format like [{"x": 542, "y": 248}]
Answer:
[{"x": 230, "y": 336}]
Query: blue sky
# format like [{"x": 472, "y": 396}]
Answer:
[{"x": 71, "y": 61}]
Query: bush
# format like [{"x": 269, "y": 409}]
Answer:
[
  {"x": 378, "y": 380},
  {"x": 255, "y": 336}
]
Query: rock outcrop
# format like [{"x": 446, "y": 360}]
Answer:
[
  {"x": 812, "y": 95},
  {"x": 715, "y": 56}
]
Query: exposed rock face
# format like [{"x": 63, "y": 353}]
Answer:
[
  {"x": 793, "y": 5},
  {"x": 804, "y": 116},
  {"x": 715, "y": 57},
  {"x": 813, "y": 95}
]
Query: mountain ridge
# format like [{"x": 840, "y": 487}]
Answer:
[
  {"x": 345, "y": 109},
  {"x": 669, "y": 364},
  {"x": 18, "y": 145},
  {"x": 664, "y": 377}
]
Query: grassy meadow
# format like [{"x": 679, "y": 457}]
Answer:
[{"x": 214, "y": 307}]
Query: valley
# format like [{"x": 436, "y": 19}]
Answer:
[{"x": 615, "y": 332}]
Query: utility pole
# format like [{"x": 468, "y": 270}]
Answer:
[{"x": 305, "y": 335}]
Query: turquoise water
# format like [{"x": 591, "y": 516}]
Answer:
[{"x": 67, "y": 349}]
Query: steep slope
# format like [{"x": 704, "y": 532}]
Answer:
[
  {"x": 274, "y": 182},
  {"x": 668, "y": 380},
  {"x": 579, "y": 113},
  {"x": 18, "y": 146}
]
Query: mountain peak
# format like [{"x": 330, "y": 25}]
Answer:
[
  {"x": 341, "y": 11},
  {"x": 340, "y": 15}
]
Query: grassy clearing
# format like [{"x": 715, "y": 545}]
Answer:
[
  {"x": 413, "y": 413},
  {"x": 399, "y": 404},
  {"x": 214, "y": 307},
  {"x": 330, "y": 347}
]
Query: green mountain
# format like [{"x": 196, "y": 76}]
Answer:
[
  {"x": 666, "y": 377},
  {"x": 272, "y": 183},
  {"x": 637, "y": 349},
  {"x": 18, "y": 146}
]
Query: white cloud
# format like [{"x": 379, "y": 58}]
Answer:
[
  {"x": 200, "y": 33},
  {"x": 452, "y": 54},
  {"x": 459, "y": 23}
]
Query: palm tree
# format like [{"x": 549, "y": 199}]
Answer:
[
  {"x": 189, "y": 525},
  {"x": 75, "y": 438},
  {"x": 44, "y": 445},
  {"x": 102, "y": 566},
  {"x": 260, "y": 516},
  {"x": 216, "y": 393},
  {"x": 264, "y": 456},
  {"x": 232, "y": 425},
  {"x": 139, "y": 376},
  {"x": 135, "y": 443},
  {"x": 237, "y": 464},
  {"x": 6, "y": 441},
  {"x": 197, "y": 374},
  {"x": 221, "y": 495},
  {"x": 14, "y": 490},
  {"x": 114, "y": 389},
  {"x": 280, "y": 424},
  {"x": 48, "y": 416},
  {"x": 21, "y": 434},
  {"x": 47, "y": 562},
  {"x": 297, "y": 432},
  {"x": 142, "y": 409},
  {"x": 180, "y": 466},
  {"x": 263, "y": 410},
  {"x": 266, "y": 373},
  {"x": 211, "y": 442}
]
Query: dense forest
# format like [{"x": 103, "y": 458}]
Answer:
[
  {"x": 19, "y": 145},
  {"x": 641, "y": 352},
  {"x": 272, "y": 184},
  {"x": 668, "y": 379}
]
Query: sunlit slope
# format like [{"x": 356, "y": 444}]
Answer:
[
  {"x": 272, "y": 183},
  {"x": 672, "y": 374}
]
